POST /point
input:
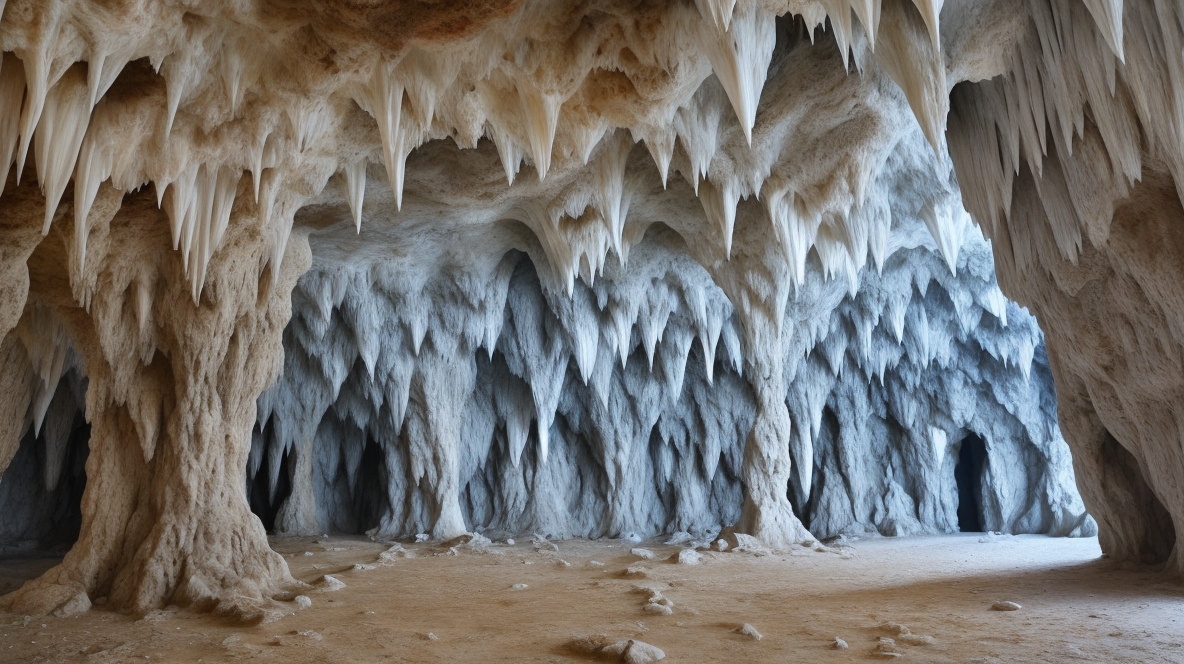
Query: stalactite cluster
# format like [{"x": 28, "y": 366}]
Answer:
[
  {"x": 598, "y": 268},
  {"x": 620, "y": 409}
]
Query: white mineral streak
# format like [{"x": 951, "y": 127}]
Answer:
[{"x": 522, "y": 356}]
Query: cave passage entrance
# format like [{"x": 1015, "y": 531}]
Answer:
[{"x": 968, "y": 473}]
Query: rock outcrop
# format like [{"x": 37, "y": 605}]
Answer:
[{"x": 1072, "y": 161}]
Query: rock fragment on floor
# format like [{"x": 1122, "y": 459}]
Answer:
[
  {"x": 630, "y": 651},
  {"x": 886, "y": 647},
  {"x": 1005, "y": 606},
  {"x": 331, "y": 583},
  {"x": 642, "y": 553},
  {"x": 839, "y": 644},
  {"x": 749, "y": 631}
]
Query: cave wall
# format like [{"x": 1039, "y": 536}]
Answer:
[
  {"x": 1071, "y": 163},
  {"x": 620, "y": 410}
]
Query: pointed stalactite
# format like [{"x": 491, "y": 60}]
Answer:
[
  {"x": 610, "y": 196},
  {"x": 218, "y": 188},
  {"x": 931, "y": 13},
  {"x": 540, "y": 113},
  {"x": 355, "y": 189},
  {"x": 914, "y": 63},
  {"x": 717, "y": 12},
  {"x": 794, "y": 228},
  {"x": 47, "y": 343},
  {"x": 839, "y": 13},
  {"x": 659, "y": 141},
  {"x": 102, "y": 69},
  {"x": 233, "y": 74},
  {"x": 63, "y": 124},
  {"x": 948, "y": 228},
  {"x": 263, "y": 155},
  {"x": 719, "y": 203},
  {"x": 740, "y": 58},
  {"x": 95, "y": 161},
  {"x": 198, "y": 205},
  {"x": 1108, "y": 15},
  {"x": 182, "y": 73},
  {"x": 12, "y": 94},
  {"x": 383, "y": 99},
  {"x": 508, "y": 151},
  {"x": 868, "y": 12},
  {"x": 36, "y": 66}
]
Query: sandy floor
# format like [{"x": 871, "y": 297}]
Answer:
[{"x": 433, "y": 605}]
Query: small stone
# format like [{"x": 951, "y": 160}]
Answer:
[
  {"x": 303, "y": 601},
  {"x": 885, "y": 645},
  {"x": 1005, "y": 606},
  {"x": 689, "y": 557},
  {"x": 395, "y": 551},
  {"x": 77, "y": 604},
  {"x": 519, "y": 586},
  {"x": 642, "y": 553},
  {"x": 589, "y": 645},
  {"x": 659, "y": 598},
  {"x": 640, "y": 652},
  {"x": 917, "y": 639},
  {"x": 614, "y": 649},
  {"x": 595, "y": 563},
  {"x": 637, "y": 572},
  {"x": 541, "y": 543},
  {"x": 658, "y": 609},
  {"x": 308, "y": 633},
  {"x": 360, "y": 567},
  {"x": 430, "y": 637},
  {"x": 749, "y": 631},
  {"x": 308, "y": 553},
  {"x": 839, "y": 644},
  {"x": 331, "y": 583},
  {"x": 510, "y": 541},
  {"x": 721, "y": 545},
  {"x": 421, "y": 538}
]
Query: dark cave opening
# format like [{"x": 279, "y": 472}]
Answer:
[
  {"x": 968, "y": 474},
  {"x": 43, "y": 509},
  {"x": 263, "y": 504}
]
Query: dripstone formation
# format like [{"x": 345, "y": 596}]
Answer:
[{"x": 599, "y": 269}]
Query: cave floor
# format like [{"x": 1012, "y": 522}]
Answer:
[{"x": 433, "y": 605}]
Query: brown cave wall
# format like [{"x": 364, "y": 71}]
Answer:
[{"x": 1070, "y": 163}]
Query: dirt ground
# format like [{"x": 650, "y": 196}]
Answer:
[{"x": 435, "y": 604}]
